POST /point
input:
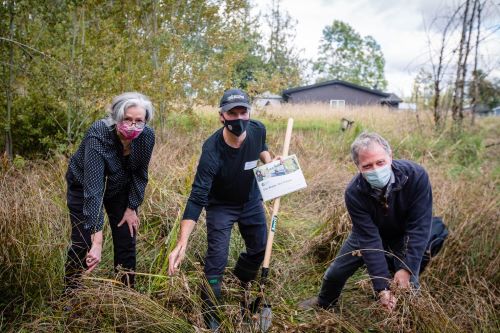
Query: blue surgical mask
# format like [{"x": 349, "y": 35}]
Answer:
[{"x": 378, "y": 178}]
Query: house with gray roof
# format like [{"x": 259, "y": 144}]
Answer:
[
  {"x": 267, "y": 99},
  {"x": 482, "y": 110},
  {"x": 339, "y": 93},
  {"x": 496, "y": 111}
]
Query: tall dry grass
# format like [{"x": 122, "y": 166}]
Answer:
[
  {"x": 33, "y": 236},
  {"x": 459, "y": 290}
]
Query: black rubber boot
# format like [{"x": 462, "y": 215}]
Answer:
[
  {"x": 246, "y": 271},
  {"x": 211, "y": 297}
]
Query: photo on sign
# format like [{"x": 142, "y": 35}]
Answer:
[{"x": 278, "y": 178}]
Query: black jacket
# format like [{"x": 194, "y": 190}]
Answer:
[
  {"x": 405, "y": 213},
  {"x": 100, "y": 156},
  {"x": 225, "y": 174}
]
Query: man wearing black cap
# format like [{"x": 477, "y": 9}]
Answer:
[{"x": 225, "y": 185}]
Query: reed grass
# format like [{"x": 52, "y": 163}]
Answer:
[{"x": 460, "y": 289}]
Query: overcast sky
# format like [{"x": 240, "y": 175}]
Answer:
[{"x": 397, "y": 25}]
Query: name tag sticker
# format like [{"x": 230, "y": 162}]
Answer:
[{"x": 250, "y": 165}]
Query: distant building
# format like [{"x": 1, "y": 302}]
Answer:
[
  {"x": 407, "y": 106},
  {"x": 339, "y": 94},
  {"x": 496, "y": 111},
  {"x": 267, "y": 99},
  {"x": 481, "y": 110}
]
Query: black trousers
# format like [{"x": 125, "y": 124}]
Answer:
[
  {"x": 251, "y": 220},
  {"x": 123, "y": 244},
  {"x": 221, "y": 217},
  {"x": 345, "y": 264}
]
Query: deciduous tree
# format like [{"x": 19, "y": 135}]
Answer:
[{"x": 345, "y": 55}]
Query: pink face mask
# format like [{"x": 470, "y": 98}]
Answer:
[{"x": 128, "y": 132}]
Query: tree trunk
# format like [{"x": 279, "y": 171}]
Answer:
[
  {"x": 470, "y": 26},
  {"x": 8, "y": 130},
  {"x": 123, "y": 60},
  {"x": 438, "y": 71},
  {"x": 459, "y": 83},
  {"x": 71, "y": 89},
  {"x": 475, "y": 90},
  {"x": 437, "y": 86},
  {"x": 157, "y": 68}
]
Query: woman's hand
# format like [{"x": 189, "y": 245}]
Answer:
[
  {"x": 130, "y": 217},
  {"x": 93, "y": 257}
]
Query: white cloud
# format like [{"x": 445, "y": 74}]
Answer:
[{"x": 398, "y": 26}]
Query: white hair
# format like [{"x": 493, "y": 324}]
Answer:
[
  {"x": 126, "y": 100},
  {"x": 364, "y": 141}
]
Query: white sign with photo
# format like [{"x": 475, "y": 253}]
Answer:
[{"x": 278, "y": 178}]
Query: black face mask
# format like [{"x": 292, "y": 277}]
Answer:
[{"x": 237, "y": 127}]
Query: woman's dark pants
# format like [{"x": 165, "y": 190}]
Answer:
[{"x": 123, "y": 243}]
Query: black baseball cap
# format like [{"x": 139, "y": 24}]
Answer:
[{"x": 233, "y": 98}]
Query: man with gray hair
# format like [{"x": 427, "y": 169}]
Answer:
[{"x": 390, "y": 205}]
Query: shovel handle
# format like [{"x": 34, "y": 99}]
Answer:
[{"x": 276, "y": 205}]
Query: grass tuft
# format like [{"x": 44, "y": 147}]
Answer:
[{"x": 460, "y": 290}]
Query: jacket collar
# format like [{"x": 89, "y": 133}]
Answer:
[{"x": 109, "y": 123}]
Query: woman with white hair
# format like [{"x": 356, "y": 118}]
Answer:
[{"x": 110, "y": 170}]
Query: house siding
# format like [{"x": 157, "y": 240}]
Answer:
[{"x": 339, "y": 92}]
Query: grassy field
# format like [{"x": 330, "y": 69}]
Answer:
[{"x": 460, "y": 289}]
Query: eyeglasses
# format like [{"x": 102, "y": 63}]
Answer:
[{"x": 138, "y": 124}]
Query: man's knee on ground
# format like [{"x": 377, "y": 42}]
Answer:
[{"x": 439, "y": 233}]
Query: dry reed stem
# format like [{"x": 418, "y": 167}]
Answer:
[{"x": 460, "y": 288}]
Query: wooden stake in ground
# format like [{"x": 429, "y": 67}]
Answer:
[{"x": 266, "y": 312}]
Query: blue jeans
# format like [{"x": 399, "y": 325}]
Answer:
[{"x": 345, "y": 265}]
